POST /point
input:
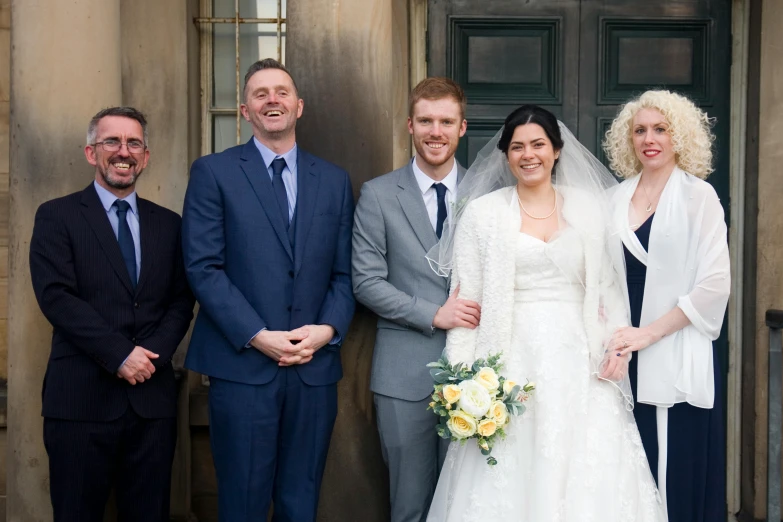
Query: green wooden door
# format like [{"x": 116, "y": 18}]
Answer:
[{"x": 582, "y": 59}]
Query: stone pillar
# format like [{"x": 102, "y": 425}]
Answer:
[
  {"x": 350, "y": 62},
  {"x": 769, "y": 285},
  {"x": 65, "y": 66},
  {"x": 157, "y": 80}
]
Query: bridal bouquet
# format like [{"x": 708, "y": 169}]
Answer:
[{"x": 476, "y": 402}]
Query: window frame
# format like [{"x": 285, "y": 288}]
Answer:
[{"x": 205, "y": 23}]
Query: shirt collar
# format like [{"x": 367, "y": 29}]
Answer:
[
  {"x": 108, "y": 199},
  {"x": 425, "y": 182},
  {"x": 269, "y": 155}
]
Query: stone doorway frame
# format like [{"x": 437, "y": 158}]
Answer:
[{"x": 740, "y": 26}]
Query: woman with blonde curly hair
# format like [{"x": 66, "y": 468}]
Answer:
[{"x": 677, "y": 275}]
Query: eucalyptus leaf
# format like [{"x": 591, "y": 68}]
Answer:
[{"x": 440, "y": 376}]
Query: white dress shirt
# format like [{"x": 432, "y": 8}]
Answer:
[{"x": 431, "y": 196}]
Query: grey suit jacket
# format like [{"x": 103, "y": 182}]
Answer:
[{"x": 391, "y": 235}]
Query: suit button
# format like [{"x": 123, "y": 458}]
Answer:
[
  {"x": 135, "y": 305},
  {"x": 289, "y": 308},
  {"x": 291, "y": 274},
  {"x": 133, "y": 339}
]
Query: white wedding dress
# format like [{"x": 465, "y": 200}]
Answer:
[{"x": 575, "y": 455}]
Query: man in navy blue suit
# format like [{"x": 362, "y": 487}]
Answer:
[
  {"x": 267, "y": 247},
  {"x": 106, "y": 267}
]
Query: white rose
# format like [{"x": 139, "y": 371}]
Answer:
[
  {"x": 475, "y": 399},
  {"x": 487, "y": 378},
  {"x": 461, "y": 424}
]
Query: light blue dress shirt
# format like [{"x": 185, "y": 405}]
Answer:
[
  {"x": 291, "y": 190},
  {"x": 289, "y": 172},
  {"x": 132, "y": 217}
]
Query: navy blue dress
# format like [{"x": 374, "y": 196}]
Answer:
[{"x": 696, "y": 464}]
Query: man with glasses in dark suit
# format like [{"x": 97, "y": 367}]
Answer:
[{"x": 108, "y": 274}]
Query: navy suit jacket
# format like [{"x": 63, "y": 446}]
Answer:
[
  {"x": 84, "y": 290},
  {"x": 245, "y": 273}
]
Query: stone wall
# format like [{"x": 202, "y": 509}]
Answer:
[
  {"x": 69, "y": 60},
  {"x": 350, "y": 60},
  {"x": 769, "y": 255},
  {"x": 5, "y": 98}
]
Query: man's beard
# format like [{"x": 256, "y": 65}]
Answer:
[
  {"x": 423, "y": 152},
  {"x": 119, "y": 183}
]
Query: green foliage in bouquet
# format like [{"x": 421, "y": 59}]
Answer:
[{"x": 475, "y": 402}]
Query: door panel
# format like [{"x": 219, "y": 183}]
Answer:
[
  {"x": 505, "y": 53},
  {"x": 628, "y": 47},
  {"x": 582, "y": 59}
]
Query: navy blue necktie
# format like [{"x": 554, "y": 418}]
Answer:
[
  {"x": 440, "y": 188},
  {"x": 279, "y": 187},
  {"x": 125, "y": 239}
]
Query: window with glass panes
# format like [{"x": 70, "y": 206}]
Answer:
[{"x": 234, "y": 34}]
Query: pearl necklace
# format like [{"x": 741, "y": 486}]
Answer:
[{"x": 539, "y": 217}]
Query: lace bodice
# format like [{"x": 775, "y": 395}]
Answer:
[{"x": 552, "y": 271}]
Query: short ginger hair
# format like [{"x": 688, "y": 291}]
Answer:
[{"x": 437, "y": 88}]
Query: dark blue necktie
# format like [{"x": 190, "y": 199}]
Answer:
[
  {"x": 279, "y": 187},
  {"x": 125, "y": 239},
  {"x": 440, "y": 188}
]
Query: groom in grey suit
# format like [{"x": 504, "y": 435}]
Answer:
[{"x": 399, "y": 217}]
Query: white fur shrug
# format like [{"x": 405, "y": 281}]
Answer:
[{"x": 484, "y": 269}]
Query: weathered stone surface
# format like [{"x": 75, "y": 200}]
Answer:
[
  {"x": 48, "y": 127},
  {"x": 769, "y": 268},
  {"x": 350, "y": 62}
]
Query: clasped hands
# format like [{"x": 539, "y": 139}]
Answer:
[
  {"x": 624, "y": 341},
  {"x": 138, "y": 367},
  {"x": 295, "y": 346}
]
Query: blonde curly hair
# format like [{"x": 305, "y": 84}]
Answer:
[{"x": 689, "y": 128}]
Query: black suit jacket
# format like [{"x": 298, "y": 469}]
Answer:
[{"x": 84, "y": 290}]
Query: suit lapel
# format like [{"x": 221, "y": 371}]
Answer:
[
  {"x": 99, "y": 222},
  {"x": 252, "y": 165},
  {"x": 412, "y": 204},
  {"x": 307, "y": 182},
  {"x": 148, "y": 230}
]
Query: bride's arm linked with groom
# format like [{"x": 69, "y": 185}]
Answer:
[{"x": 538, "y": 219}]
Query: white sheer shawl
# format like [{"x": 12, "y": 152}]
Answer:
[{"x": 687, "y": 266}]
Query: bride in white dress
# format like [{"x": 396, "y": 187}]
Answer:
[{"x": 537, "y": 255}]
